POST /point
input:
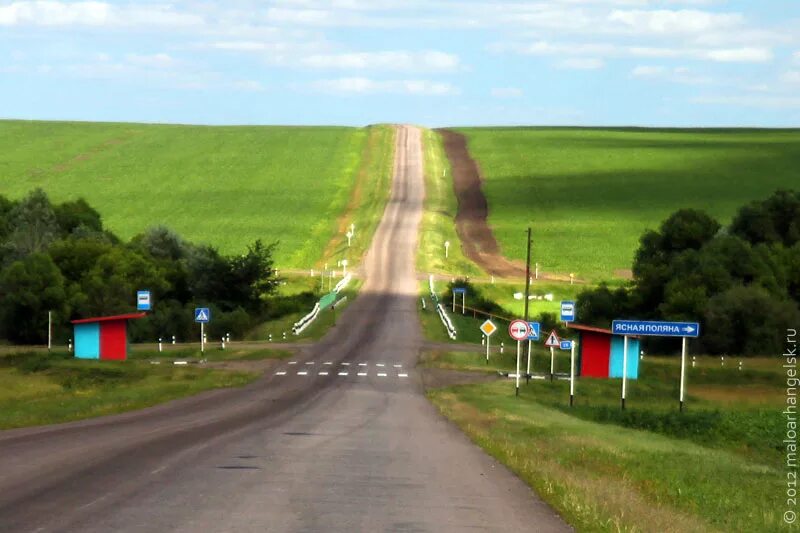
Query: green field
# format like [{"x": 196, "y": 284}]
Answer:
[
  {"x": 719, "y": 466},
  {"x": 590, "y": 193},
  {"x": 37, "y": 388},
  {"x": 224, "y": 186}
]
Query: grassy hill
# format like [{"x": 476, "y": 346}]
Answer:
[
  {"x": 590, "y": 193},
  {"x": 224, "y": 186}
]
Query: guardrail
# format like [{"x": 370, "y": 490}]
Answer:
[
  {"x": 342, "y": 283},
  {"x": 304, "y": 322},
  {"x": 448, "y": 324}
]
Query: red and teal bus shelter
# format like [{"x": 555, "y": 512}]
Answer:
[{"x": 103, "y": 337}]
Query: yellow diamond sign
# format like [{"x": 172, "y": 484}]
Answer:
[{"x": 488, "y": 328}]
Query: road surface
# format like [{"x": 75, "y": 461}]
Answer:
[{"x": 340, "y": 438}]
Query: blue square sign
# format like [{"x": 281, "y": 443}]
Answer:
[
  {"x": 566, "y": 345},
  {"x": 568, "y": 311},
  {"x": 533, "y": 331},
  {"x": 143, "y": 300},
  {"x": 202, "y": 314}
]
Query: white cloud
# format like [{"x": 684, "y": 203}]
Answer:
[
  {"x": 667, "y": 22},
  {"x": 160, "y": 60},
  {"x": 741, "y": 55},
  {"x": 248, "y": 86},
  {"x": 92, "y": 14},
  {"x": 369, "y": 86},
  {"x": 581, "y": 63},
  {"x": 675, "y": 75},
  {"x": 758, "y": 101},
  {"x": 506, "y": 92},
  {"x": 796, "y": 57},
  {"x": 430, "y": 61},
  {"x": 791, "y": 77}
]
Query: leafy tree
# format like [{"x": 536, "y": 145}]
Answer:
[
  {"x": 748, "y": 320},
  {"x": 161, "y": 243},
  {"x": 600, "y": 306},
  {"x": 77, "y": 214},
  {"x": 251, "y": 278},
  {"x": 774, "y": 220},
  {"x": 29, "y": 288},
  {"x": 33, "y": 225}
]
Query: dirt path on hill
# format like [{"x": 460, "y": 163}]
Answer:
[{"x": 477, "y": 238}]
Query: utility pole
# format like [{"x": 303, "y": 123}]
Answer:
[{"x": 527, "y": 292}]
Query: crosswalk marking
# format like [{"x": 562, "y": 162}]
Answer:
[
  {"x": 343, "y": 373},
  {"x": 345, "y": 364},
  {"x": 292, "y": 362},
  {"x": 281, "y": 373},
  {"x": 379, "y": 364},
  {"x": 362, "y": 364},
  {"x": 381, "y": 374},
  {"x": 302, "y": 373},
  {"x": 323, "y": 373},
  {"x": 328, "y": 363},
  {"x": 402, "y": 375},
  {"x": 398, "y": 366},
  {"x": 309, "y": 362},
  {"x": 362, "y": 373}
]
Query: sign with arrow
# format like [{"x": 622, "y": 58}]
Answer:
[
  {"x": 552, "y": 340},
  {"x": 655, "y": 329}
]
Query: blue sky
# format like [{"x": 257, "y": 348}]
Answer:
[{"x": 585, "y": 62}]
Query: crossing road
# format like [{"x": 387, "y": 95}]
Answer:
[{"x": 314, "y": 452}]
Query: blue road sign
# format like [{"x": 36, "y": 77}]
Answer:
[
  {"x": 460, "y": 290},
  {"x": 202, "y": 314},
  {"x": 655, "y": 329},
  {"x": 566, "y": 345},
  {"x": 568, "y": 311},
  {"x": 533, "y": 331},
  {"x": 143, "y": 302}
]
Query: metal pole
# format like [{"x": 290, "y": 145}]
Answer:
[
  {"x": 49, "y": 331},
  {"x": 683, "y": 369},
  {"x": 572, "y": 374},
  {"x": 454, "y": 300},
  {"x": 528, "y": 375},
  {"x": 202, "y": 337},
  {"x": 552, "y": 361},
  {"x": 624, "y": 368},
  {"x": 464, "y": 303},
  {"x": 487, "y": 349},
  {"x": 519, "y": 350},
  {"x": 527, "y": 293}
]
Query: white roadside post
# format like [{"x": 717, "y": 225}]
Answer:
[
  {"x": 683, "y": 370},
  {"x": 160, "y": 348},
  {"x": 349, "y": 237},
  {"x": 173, "y": 339},
  {"x": 344, "y": 267},
  {"x": 624, "y": 368},
  {"x": 572, "y": 374},
  {"x": 352, "y": 228},
  {"x": 446, "y": 249},
  {"x": 49, "y": 331}
]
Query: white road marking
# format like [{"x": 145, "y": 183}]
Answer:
[
  {"x": 328, "y": 363},
  {"x": 281, "y": 373},
  {"x": 157, "y": 470},
  {"x": 402, "y": 375},
  {"x": 362, "y": 373},
  {"x": 180, "y": 363},
  {"x": 362, "y": 364},
  {"x": 381, "y": 374},
  {"x": 342, "y": 373},
  {"x": 323, "y": 373},
  {"x": 398, "y": 366},
  {"x": 302, "y": 373},
  {"x": 292, "y": 362},
  {"x": 345, "y": 364},
  {"x": 379, "y": 364}
]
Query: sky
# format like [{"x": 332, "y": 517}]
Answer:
[{"x": 434, "y": 63}]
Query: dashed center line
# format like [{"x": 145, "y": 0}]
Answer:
[
  {"x": 379, "y": 364},
  {"x": 309, "y": 362},
  {"x": 281, "y": 373},
  {"x": 328, "y": 363},
  {"x": 323, "y": 373},
  {"x": 362, "y": 373},
  {"x": 398, "y": 366},
  {"x": 362, "y": 364},
  {"x": 343, "y": 373},
  {"x": 381, "y": 374},
  {"x": 402, "y": 375},
  {"x": 345, "y": 364},
  {"x": 292, "y": 362},
  {"x": 302, "y": 373}
]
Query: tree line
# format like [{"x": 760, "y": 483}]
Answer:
[
  {"x": 741, "y": 281},
  {"x": 60, "y": 258}
]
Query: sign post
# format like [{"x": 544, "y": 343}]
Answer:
[
  {"x": 624, "y": 368},
  {"x": 463, "y": 292},
  {"x": 446, "y": 249},
  {"x": 518, "y": 330},
  {"x": 552, "y": 342},
  {"x": 49, "y": 331},
  {"x": 534, "y": 328},
  {"x": 683, "y": 370},
  {"x": 203, "y": 316},
  {"x": 488, "y": 328},
  {"x": 572, "y": 374},
  {"x": 685, "y": 330}
]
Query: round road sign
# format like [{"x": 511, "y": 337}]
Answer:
[{"x": 518, "y": 329}]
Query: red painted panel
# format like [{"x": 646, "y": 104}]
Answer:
[
  {"x": 595, "y": 354},
  {"x": 113, "y": 340}
]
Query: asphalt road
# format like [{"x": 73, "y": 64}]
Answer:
[{"x": 341, "y": 438}]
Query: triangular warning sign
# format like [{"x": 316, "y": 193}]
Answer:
[
  {"x": 201, "y": 316},
  {"x": 552, "y": 340}
]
